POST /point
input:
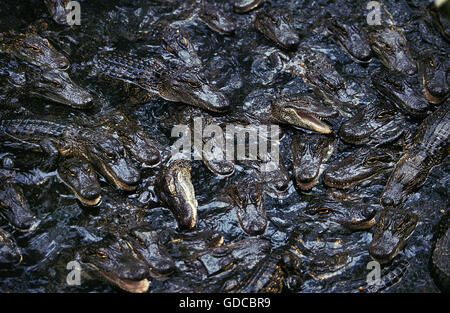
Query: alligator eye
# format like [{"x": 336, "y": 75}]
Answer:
[
  {"x": 388, "y": 48},
  {"x": 274, "y": 20},
  {"x": 109, "y": 155},
  {"x": 169, "y": 48},
  {"x": 431, "y": 63},
  {"x": 193, "y": 84},
  {"x": 323, "y": 211},
  {"x": 288, "y": 18},
  {"x": 88, "y": 170},
  {"x": 101, "y": 254},
  {"x": 72, "y": 173},
  {"x": 397, "y": 85},
  {"x": 56, "y": 84},
  {"x": 385, "y": 114},
  {"x": 3, "y": 204},
  {"x": 372, "y": 160},
  {"x": 35, "y": 49}
]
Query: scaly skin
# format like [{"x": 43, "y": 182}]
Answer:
[
  {"x": 353, "y": 40},
  {"x": 248, "y": 199},
  {"x": 390, "y": 45},
  {"x": 429, "y": 148},
  {"x": 14, "y": 207},
  {"x": 276, "y": 24},
  {"x": 439, "y": 261},
  {"x": 245, "y": 6},
  {"x": 33, "y": 49},
  {"x": 9, "y": 251},
  {"x": 309, "y": 153},
  {"x": 106, "y": 153},
  {"x": 79, "y": 176},
  {"x": 186, "y": 85},
  {"x": 359, "y": 167},
  {"x": 434, "y": 74},
  {"x": 396, "y": 88},
  {"x": 393, "y": 229},
  {"x": 175, "y": 190},
  {"x": 375, "y": 124}
]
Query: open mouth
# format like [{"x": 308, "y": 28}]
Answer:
[{"x": 312, "y": 121}]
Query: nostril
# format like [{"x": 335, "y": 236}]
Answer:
[{"x": 387, "y": 201}]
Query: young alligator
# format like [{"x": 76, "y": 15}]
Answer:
[
  {"x": 390, "y": 45},
  {"x": 105, "y": 152},
  {"x": 439, "y": 261},
  {"x": 309, "y": 154},
  {"x": 429, "y": 148},
  {"x": 277, "y": 25},
  {"x": 9, "y": 251},
  {"x": 79, "y": 176},
  {"x": 434, "y": 74},
  {"x": 33, "y": 49},
  {"x": 376, "y": 124},
  {"x": 245, "y": 6},
  {"x": 363, "y": 166},
  {"x": 155, "y": 76},
  {"x": 393, "y": 229},
  {"x": 396, "y": 88},
  {"x": 18, "y": 79}
]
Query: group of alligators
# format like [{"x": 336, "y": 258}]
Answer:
[{"x": 396, "y": 140}]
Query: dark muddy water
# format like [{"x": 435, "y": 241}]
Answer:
[{"x": 239, "y": 65}]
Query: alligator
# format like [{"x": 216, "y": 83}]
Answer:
[
  {"x": 105, "y": 152},
  {"x": 396, "y": 88},
  {"x": 439, "y": 263},
  {"x": 190, "y": 244},
  {"x": 9, "y": 251},
  {"x": 58, "y": 10},
  {"x": 134, "y": 138},
  {"x": 440, "y": 20},
  {"x": 33, "y": 49},
  {"x": 390, "y": 45},
  {"x": 157, "y": 77},
  {"x": 22, "y": 79},
  {"x": 428, "y": 148},
  {"x": 277, "y": 25},
  {"x": 245, "y": 6},
  {"x": 79, "y": 176},
  {"x": 361, "y": 167},
  {"x": 247, "y": 199},
  {"x": 222, "y": 263},
  {"x": 300, "y": 110},
  {"x": 14, "y": 207},
  {"x": 309, "y": 153},
  {"x": 392, "y": 231},
  {"x": 434, "y": 75},
  {"x": 376, "y": 124},
  {"x": 353, "y": 215},
  {"x": 275, "y": 273},
  {"x": 352, "y": 39},
  {"x": 389, "y": 276},
  {"x": 322, "y": 77},
  {"x": 175, "y": 190}
]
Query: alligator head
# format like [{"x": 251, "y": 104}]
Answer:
[
  {"x": 145, "y": 242},
  {"x": 190, "y": 86},
  {"x": 276, "y": 24},
  {"x": 396, "y": 88},
  {"x": 376, "y": 123},
  {"x": 352, "y": 39},
  {"x": 112, "y": 259},
  {"x": 216, "y": 19},
  {"x": 302, "y": 111},
  {"x": 393, "y": 229},
  {"x": 58, "y": 10},
  {"x": 309, "y": 153},
  {"x": 79, "y": 176},
  {"x": 434, "y": 71},
  {"x": 109, "y": 156},
  {"x": 391, "y": 46},
  {"x": 57, "y": 86},
  {"x": 9, "y": 252},
  {"x": 358, "y": 167},
  {"x": 14, "y": 207},
  {"x": 35, "y": 50},
  {"x": 175, "y": 190},
  {"x": 248, "y": 200}
]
